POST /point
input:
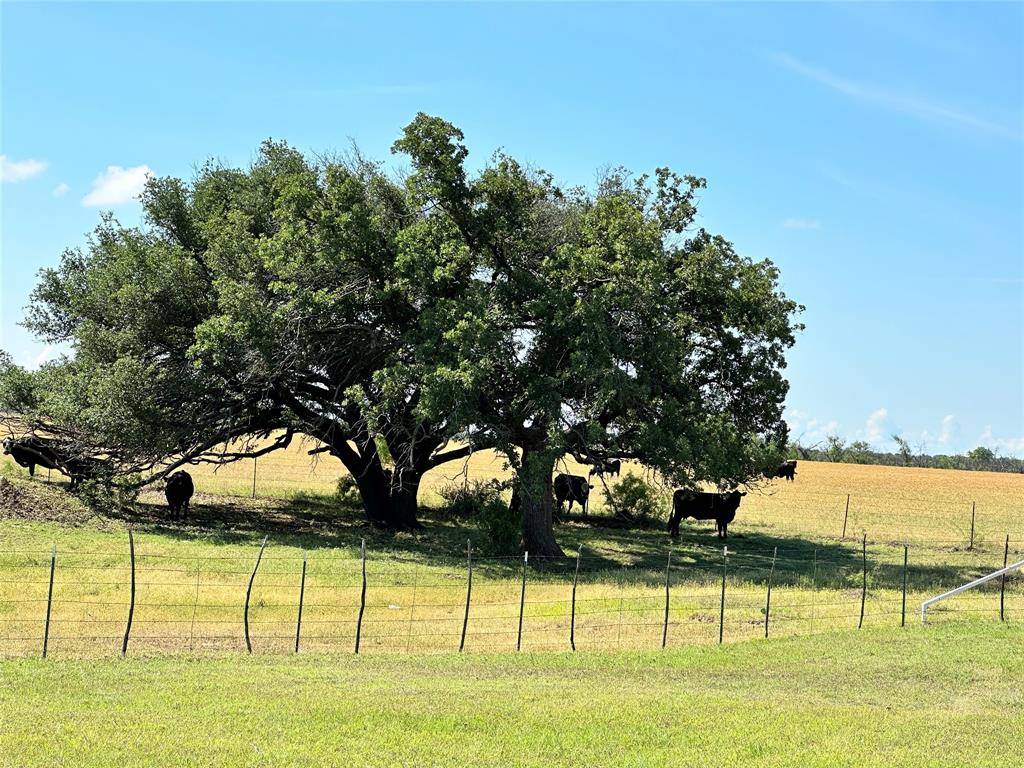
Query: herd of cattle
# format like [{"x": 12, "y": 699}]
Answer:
[
  {"x": 700, "y": 505},
  {"x": 31, "y": 452}
]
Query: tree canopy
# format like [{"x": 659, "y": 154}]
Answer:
[{"x": 406, "y": 321}]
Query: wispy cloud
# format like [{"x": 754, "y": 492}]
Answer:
[
  {"x": 61, "y": 189},
  {"x": 117, "y": 185},
  {"x": 875, "y": 426},
  {"x": 808, "y": 430},
  {"x": 1009, "y": 446},
  {"x": 801, "y": 224},
  {"x": 48, "y": 353},
  {"x": 19, "y": 170},
  {"x": 898, "y": 102},
  {"x": 949, "y": 433},
  {"x": 946, "y": 432}
]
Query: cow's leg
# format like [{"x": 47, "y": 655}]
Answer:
[{"x": 31, "y": 470}]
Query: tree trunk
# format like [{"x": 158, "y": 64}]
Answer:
[
  {"x": 375, "y": 491},
  {"x": 389, "y": 501},
  {"x": 533, "y": 496},
  {"x": 404, "y": 505}
]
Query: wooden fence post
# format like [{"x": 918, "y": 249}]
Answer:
[
  {"x": 864, "y": 580},
  {"x": 362, "y": 595},
  {"x": 49, "y": 601},
  {"x": 903, "y": 607},
  {"x": 768, "y": 599},
  {"x": 131, "y": 603},
  {"x": 302, "y": 597},
  {"x": 846, "y": 515},
  {"x": 1002, "y": 581},
  {"x": 254, "y": 477},
  {"x": 668, "y": 582},
  {"x": 469, "y": 592},
  {"x": 522, "y": 601},
  {"x": 248, "y": 594},
  {"x": 970, "y": 544},
  {"x": 572, "y": 614},
  {"x": 721, "y": 606},
  {"x": 814, "y": 589}
]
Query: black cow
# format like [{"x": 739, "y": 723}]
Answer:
[
  {"x": 179, "y": 490},
  {"x": 80, "y": 468},
  {"x": 612, "y": 467},
  {"x": 575, "y": 488},
  {"x": 31, "y": 452},
  {"x": 787, "y": 469},
  {"x": 720, "y": 507}
]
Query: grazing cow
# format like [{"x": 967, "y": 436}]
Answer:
[
  {"x": 612, "y": 467},
  {"x": 31, "y": 452},
  {"x": 179, "y": 490},
  {"x": 720, "y": 507},
  {"x": 787, "y": 469},
  {"x": 575, "y": 488}
]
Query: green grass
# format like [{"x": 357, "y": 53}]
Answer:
[
  {"x": 192, "y": 580},
  {"x": 943, "y": 696}
]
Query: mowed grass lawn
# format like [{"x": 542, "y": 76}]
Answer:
[{"x": 950, "y": 695}]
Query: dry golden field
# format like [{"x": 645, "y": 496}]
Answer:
[
  {"x": 889, "y": 503},
  {"x": 192, "y": 578}
]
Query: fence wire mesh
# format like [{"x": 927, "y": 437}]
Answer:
[{"x": 187, "y": 604}]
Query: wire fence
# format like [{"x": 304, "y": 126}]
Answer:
[{"x": 137, "y": 601}]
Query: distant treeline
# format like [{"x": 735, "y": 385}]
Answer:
[{"x": 838, "y": 450}]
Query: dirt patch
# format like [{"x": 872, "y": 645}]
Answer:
[{"x": 32, "y": 500}]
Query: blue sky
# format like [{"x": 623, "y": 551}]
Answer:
[{"x": 874, "y": 152}]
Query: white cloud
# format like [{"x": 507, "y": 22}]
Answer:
[
  {"x": 875, "y": 425},
  {"x": 808, "y": 431},
  {"x": 48, "y": 353},
  {"x": 19, "y": 170},
  {"x": 117, "y": 185},
  {"x": 909, "y": 105},
  {"x": 946, "y": 432},
  {"x": 61, "y": 189},
  {"x": 801, "y": 224},
  {"x": 1008, "y": 446}
]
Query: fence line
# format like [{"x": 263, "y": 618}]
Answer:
[{"x": 481, "y": 604}]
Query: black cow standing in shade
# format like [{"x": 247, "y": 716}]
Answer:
[
  {"x": 612, "y": 467},
  {"x": 720, "y": 507},
  {"x": 31, "y": 452},
  {"x": 34, "y": 451},
  {"x": 80, "y": 468},
  {"x": 179, "y": 490},
  {"x": 575, "y": 488}
]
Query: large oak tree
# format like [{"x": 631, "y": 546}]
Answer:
[
  {"x": 607, "y": 326},
  {"x": 389, "y": 318}
]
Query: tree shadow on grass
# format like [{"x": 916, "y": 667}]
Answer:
[{"x": 610, "y": 551}]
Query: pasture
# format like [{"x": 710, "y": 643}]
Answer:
[
  {"x": 892, "y": 503},
  {"x": 192, "y": 578}
]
